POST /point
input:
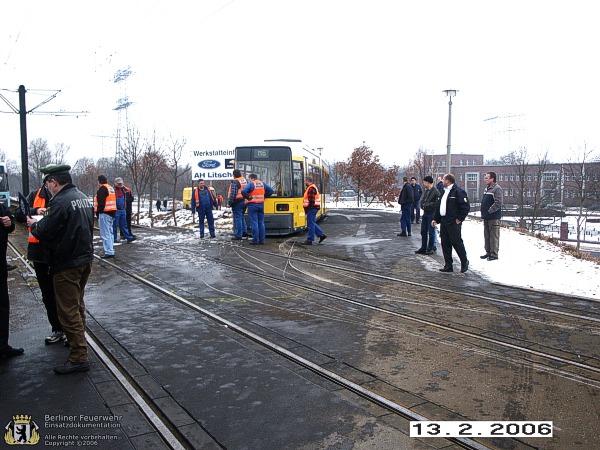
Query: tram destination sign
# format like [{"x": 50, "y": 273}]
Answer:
[{"x": 212, "y": 164}]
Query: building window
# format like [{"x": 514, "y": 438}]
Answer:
[
  {"x": 512, "y": 177},
  {"x": 517, "y": 177},
  {"x": 461, "y": 177},
  {"x": 471, "y": 177},
  {"x": 550, "y": 176},
  {"x": 528, "y": 177},
  {"x": 474, "y": 163},
  {"x": 461, "y": 162}
]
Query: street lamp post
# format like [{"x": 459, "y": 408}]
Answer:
[{"x": 449, "y": 93}]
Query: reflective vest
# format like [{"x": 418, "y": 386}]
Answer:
[
  {"x": 210, "y": 193},
  {"x": 38, "y": 202},
  {"x": 258, "y": 194},
  {"x": 317, "y": 196},
  {"x": 243, "y": 183},
  {"x": 111, "y": 200}
]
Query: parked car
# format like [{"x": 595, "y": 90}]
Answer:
[{"x": 348, "y": 195}]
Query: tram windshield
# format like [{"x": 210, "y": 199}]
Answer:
[{"x": 272, "y": 165}]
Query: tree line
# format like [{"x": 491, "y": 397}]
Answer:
[{"x": 152, "y": 167}]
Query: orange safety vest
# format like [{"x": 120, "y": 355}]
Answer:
[
  {"x": 258, "y": 194},
  {"x": 317, "y": 196},
  {"x": 111, "y": 200},
  {"x": 243, "y": 183},
  {"x": 38, "y": 202},
  {"x": 197, "y": 195}
]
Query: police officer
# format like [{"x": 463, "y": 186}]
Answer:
[
  {"x": 255, "y": 193},
  {"x": 66, "y": 232}
]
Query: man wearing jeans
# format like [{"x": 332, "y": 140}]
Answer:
[
  {"x": 67, "y": 231},
  {"x": 105, "y": 207},
  {"x": 120, "y": 221},
  {"x": 255, "y": 193},
  {"x": 312, "y": 204}
]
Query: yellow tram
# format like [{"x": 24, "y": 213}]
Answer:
[{"x": 283, "y": 164}]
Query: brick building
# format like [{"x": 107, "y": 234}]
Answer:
[{"x": 555, "y": 184}]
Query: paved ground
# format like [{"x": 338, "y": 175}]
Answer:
[{"x": 221, "y": 390}]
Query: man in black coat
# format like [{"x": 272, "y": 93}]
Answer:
[
  {"x": 416, "y": 206},
  {"x": 7, "y": 225},
  {"x": 405, "y": 200},
  {"x": 450, "y": 213},
  {"x": 67, "y": 232}
]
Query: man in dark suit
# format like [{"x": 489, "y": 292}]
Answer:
[{"x": 450, "y": 213}]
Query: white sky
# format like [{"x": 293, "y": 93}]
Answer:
[{"x": 333, "y": 73}]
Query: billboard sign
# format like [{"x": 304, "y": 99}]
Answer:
[{"x": 212, "y": 164}]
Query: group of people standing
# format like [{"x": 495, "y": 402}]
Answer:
[
  {"x": 249, "y": 195},
  {"x": 447, "y": 204}
]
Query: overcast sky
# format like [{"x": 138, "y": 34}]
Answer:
[{"x": 333, "y": 73}]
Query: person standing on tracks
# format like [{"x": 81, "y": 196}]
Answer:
[
  {"x": 105, "y": 207},
  {"x": 128, "y": 208},
  {"x": 428, "y": 201},
  {"x": 203, "y": 201},
  {"x": 67, "y": 233},
  {"x": 7, "y": 225},
  {"x": 450, "y": 213},
  {"x": 38, "y": 202},
  {"x": 236, "y": 202},
  {"x": 255, "y": 193},
  {"x": 312, "y": 205},
  {"x": 121, "y": 212},
  {"x": 416, "y": 206},
  {"x": 405, "y": 200},
  {"x": 491, "y": 213}
]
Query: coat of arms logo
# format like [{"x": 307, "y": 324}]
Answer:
[{"x": 21, "y": 430}]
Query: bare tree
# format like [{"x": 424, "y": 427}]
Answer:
[
  {"x": 580, "y": 184},
  {"x": 85, "y": 175},
  {"x": 173, "y": 168},
  {"x": 423, "y": 164},
  {"x": 39, "y": 156}
]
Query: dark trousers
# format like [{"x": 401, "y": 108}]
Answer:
[
  {"x": 69, "y": 287},
  {"x": 450, "y": 233},
  {"x": 239, "y": 223},
  {"x": 405, "y": 217},
  {"x": 46, "y": 285},
  {"x": 206, "y": 212},
  {"x": 4, "y": 304},
  {"x": 128, "y": 212},
  {"x": 427, "y": 232}
]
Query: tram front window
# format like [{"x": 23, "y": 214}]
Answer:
[{"x": 271, "y": 165}]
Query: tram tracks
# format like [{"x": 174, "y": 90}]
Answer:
[
  {"x": 569, "y": 365},
  {"x": 295, "y": 286}
]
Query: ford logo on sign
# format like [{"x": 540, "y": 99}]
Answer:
[{"x": 209, "y": 164}]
